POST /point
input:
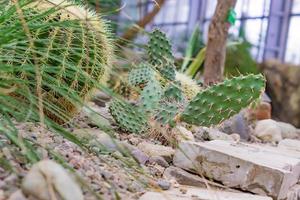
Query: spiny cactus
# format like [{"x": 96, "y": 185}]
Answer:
[
  {"x": 173, "y": 93},
  {"x": 151, "y": 95},
  {"x": 208, "y": 107},
  {"x": 127, "y": 116},
  {"x": 219, "y": 102},
  {"x": 160, "y": 54},
  {"x": 71, "y": 47},
  {"x": 141, "y": 75}
]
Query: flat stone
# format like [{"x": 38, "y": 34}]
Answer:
[
  {"x": 290, "y": 144},
  {"x": 157, "y": 150},
  {"x": 249, "y": 167},
  {"x": 185, "y": 178},
  {"x": 294, "y": 193},
  {"x": 193, "y": 193}
]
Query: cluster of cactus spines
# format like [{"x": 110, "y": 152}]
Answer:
[
  {"x": 151, "y": 95},
  {"x": 219, "y": 102},
  {"x": 128, "y": 117},
  {"x": 189, "y": 87},
  {"x": 160, "y": 54},
  {"x": 84, "y": 51},
  {"x": 141, "y": 75}
]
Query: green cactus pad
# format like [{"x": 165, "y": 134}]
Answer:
[
  {"x": 160, "y": 54},
  {"x": 141, "y": 75},
  {"x": 219, "y": 102},
  {"x": 128, "y": 117},
  {"x": 151, "y": 95},
  {"x": 166, "y": 112},
  {"x": 173, "y": 93}
]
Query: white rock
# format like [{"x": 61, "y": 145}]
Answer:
[
  {"x": 157, "y": 150},
  {"x": 183, "y": 134},
  {"x": 290, "y": 144},
  {"x": 268, "y": 131},
  {"x": 294, "y": 193},
  {"x": 46, "y": 176},
  {"x": 213, "y": 134},
  {"x": 288, "y": 130},
  {"x": 249, "y": 167},
  {"x": 190, "y": 193}
]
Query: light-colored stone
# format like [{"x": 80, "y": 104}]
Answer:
[
  {"x": 290, "y": 144},
  {"x": 212, "y": 134},
  {"x": 294, "y": 193},
  {"x": 98, "y": 138},
  {"x": 193, "y": 193},
  {"x": 185, "y": 178},
  {"x": 157, "y": 150},
  {"x": 288, "y": 131},
  {"x": 249, "y": 167},
  {"x": 47, "y": 178},
  {"x": 183, "y": 134},
  {"x": 17, "y": 195},
  {"x": 268, "y": 131}
]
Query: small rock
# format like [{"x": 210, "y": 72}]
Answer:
[
  {"x": 288, "y": 131},
  {"x": 268, "y": 131},
  {"x": 159, "y": 160},
  {"x": 97, "y": 137},
  {"x": 294, "y": 193},
  {"x": 290, "y": 144},
  {"x": 17, "y": 195},
  {"x": 181, "y": 133},
  {"x": 100, "y": 98},
  {"x": 263, "y": 111},
  {"x": 46, "y": 176},
  {"x": 163, "y": 184},
  {"x": 237, "y": 124},
  {"x": 140, "y": 156},
  {"x": 157, "y": 150},
  {"x": 212, "y": 134}
]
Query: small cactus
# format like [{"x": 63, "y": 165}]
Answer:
[
  {"x": 128, "y": 117},
  {"x": 141, "y": 75},
  {"x": 219, "y": 102},
  {"x": 160, "y": 54},
  {"x": 151, "y": 95},
  {"x": 173, "y": 93},
  {"x": 166, "y": 113}
]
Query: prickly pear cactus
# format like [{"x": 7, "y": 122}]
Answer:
[
  {"x": 151, "y": 95},
  {"x": 128, "y": 117},
  {"x": 166, "y": 113},
  {"x": 173, "y": 93},
  {"x": 160, "y": 54},
  {"x": 72, "y": 54},
  {"x": 141, "y": 75},
  {"x": 217, "y": 103}
]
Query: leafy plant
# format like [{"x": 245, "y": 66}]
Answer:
[{"x": 208, "y": 107}]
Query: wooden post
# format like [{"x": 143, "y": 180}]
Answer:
[{"x": 216, "y": 45}]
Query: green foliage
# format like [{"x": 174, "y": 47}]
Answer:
[
  {"x": 141, "y": 75},
  {"x": 194, "y": 45},
  {"x": 221, "y": 101},
  {"x": 160, "y": 54},
  {"x": 239, "y": 60},
  {"x": 128, "y": 117}
]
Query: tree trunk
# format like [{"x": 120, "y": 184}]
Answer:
[
  {"x": 132, "y": 32},
  {"x": 216, "y": 45}
]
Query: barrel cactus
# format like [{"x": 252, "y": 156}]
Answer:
[{"x": 70, "y": 45}]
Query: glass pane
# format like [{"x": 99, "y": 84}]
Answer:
[
  {"x": 296, "y": 6},
  {"x": 167, "y": 14},
  {"x": 292, "y": 53}
]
